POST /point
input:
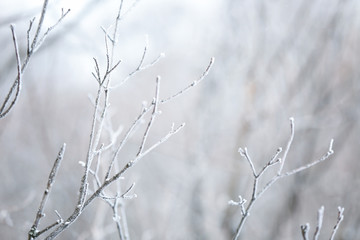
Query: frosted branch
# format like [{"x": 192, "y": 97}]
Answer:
[
  {"x": 339, "y": 220},
  {"x": 305, "y": 228},
  {"x": 194, "y": 83},
  {"x": 33, "y": 233},
  {"x": 32, "y": 46},
  {"x": 288, "y": 145},
  {"x": 305, "y": 231},
  {"x": 17, "y": 83},
  {"x": 35, "y": 46},
  {"x": 319, "y": 222},
  {"x": 256, "y": 193}
]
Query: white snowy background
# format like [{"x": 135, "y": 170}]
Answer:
[{"x": 274, "y": 60}]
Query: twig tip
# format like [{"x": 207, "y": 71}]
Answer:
[
  {"x": 241, "y": 151},
  {"x": 341, "y": 209}
]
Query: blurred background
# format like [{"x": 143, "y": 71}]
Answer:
[{"x": 274, "y": 60}]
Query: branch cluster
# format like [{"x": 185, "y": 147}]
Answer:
[
  {"x": 98, "y": 174},
  {"x": 306, "y": 227},
  {"x": 276, "y": 160},
  {"x": 33, "y": 44}
]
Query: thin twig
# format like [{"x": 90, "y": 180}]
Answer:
[
  {"x": 49, "y": 227},
  {"x": 274, "y": 160},
  {"x": 117, "y": 218},
  {"x": 90, "y": 154},
  {"x": 288, "y": 145},
  {"x": 309, "y": 165},
  {"x": 124, "y": 195},
  {"x": 97, "y": 76},
  {"x": 17, "y": 82},
  {"x": 153, "y": 115},
  {"x": 129, "y": 9},
  {"x": 339, "y": 220},
  {"x": 305, "y": 231},
  {"x": 194, "y": 83},
  {"x": 42, "y": 39},
  {"x": 28, "y": 36},
  {"x": 39, "y": 26},
  {"x": 144, "y": 53},
  {"x": 244, "y": 153},
  {"x": 140, "y": 66},
  {"x": 125, "y": 139},
  {"x": 319, "y": 222},
  {"x": 33, "y": 233}
]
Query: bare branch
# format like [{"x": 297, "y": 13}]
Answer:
[
  {"x": 99, "y": 121},
  {"x": 125, "y": 139},
  {"x": 31, "y": 48},
  {"x": 97, "y": 76},
  {"x": 153, "y": 115},
  {"x": 94, "y": 138},
  {"x": 240, "y": 203},
  {"x": 194, "y": 83},
  {"x": 125, "y": 194},
  {"x": 48, "y": 228},
  {"x": 132, "y": 163},
  {"x": 302, "y": 168},
  {"x": 144, "y": 53},
  {"x": 82, "y": 203},
  {"x": 115, "y": 66},
  {"x": 140, "y": 66},
  {"x": 33, "y": 233},
  {"x": 61, "y": 220},
  {"x": 28, "y": 36},
  {"x": 42, "y": 39},
  {"x": 17, "y": 83},
  {"x": 245, "y": 154},
  {"x": 305, "y": 228},
  {"x": 257, "y": 193},
  {"x": 39, "y": 26},
  {"x": 129, "y": 9},
  {"x": 274, "y": 160},
  {"x": 117, "y": 218},
  {"x": 107, "y": 35},
  {"x": 162, "y": 140},
  {"x": 319, "y": 223},
  {"x": 305, "y": 231},
  {"x": 339, "y": 220},
  {"x": 292, "y": 128}
]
